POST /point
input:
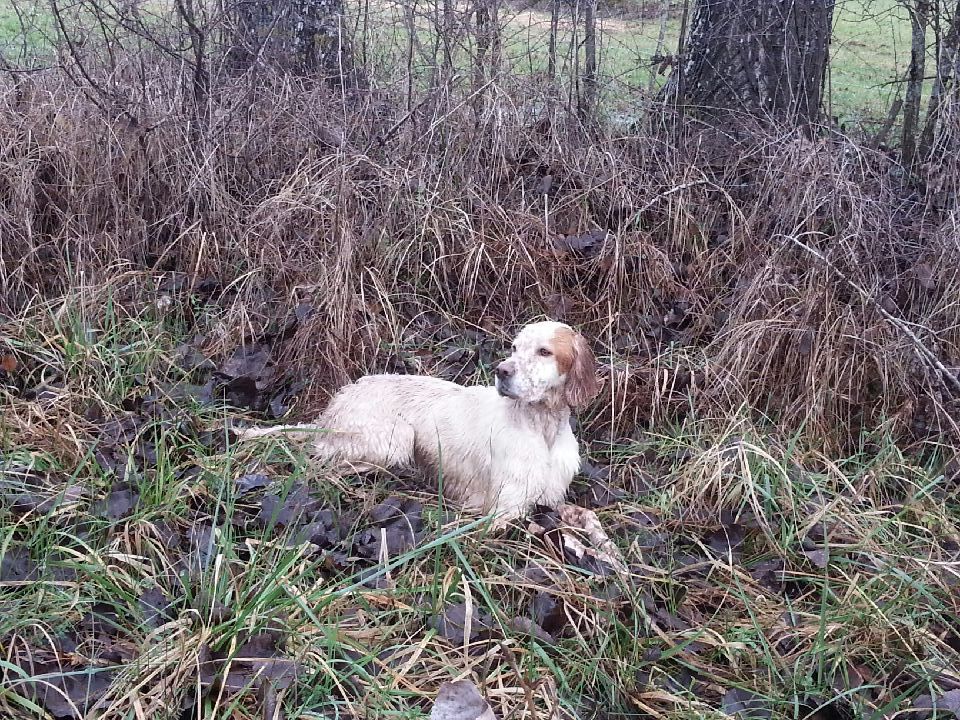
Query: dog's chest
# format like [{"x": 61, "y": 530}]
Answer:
[
  {"x": 564, "y": 455},
  {"x": 552, "y": 454}
]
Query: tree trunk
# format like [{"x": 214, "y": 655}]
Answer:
[
  {"x": 763, "y": 58},
  {"x": 554, "y": 26},
  {"x": 487, "y": 58},
  {"x": 589, "y": 100},
  {"x": 948, "y": 73},
  {"x": 911, "y": 106},
  {"x": 302, "y": 36}
]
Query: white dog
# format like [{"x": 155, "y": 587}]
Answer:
[{"x": 500, "y": 449}]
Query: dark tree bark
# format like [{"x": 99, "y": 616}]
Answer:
[
  {"x": 911, "y": 106},
  {"x": 945, "y": 83},
  {"x": 554, "y": 26},
  {"x": 589, "y": 99},
  {"x": 765, "y": 58},
  {"x": 302, "y": 36}
]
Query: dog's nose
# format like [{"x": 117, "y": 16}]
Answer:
[{"x": 505, "y": 370}]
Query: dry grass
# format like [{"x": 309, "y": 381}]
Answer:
[{"x": 762, "y": 268}]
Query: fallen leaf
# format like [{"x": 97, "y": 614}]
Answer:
[
  {"x": 452, "y": 623},
  {"x": 768, "y": 572},
  {"x": 118, "y": 504},
  {"x": 203, "y": 547},
  {"x": 585, "y": 244},
  {"x": 726, "y": 540},
  {"x": 549, "y": 613},
  {"x": 397, "y": 522},
  {"x": 17, "y": 565},
  {"x": 256, "y": 663},
  {"x": 745, "y": 704},
  {"x": 154, "y": 603},
  {"x": 558, "y": 306},
  {"x": 291, "y": 509},
  {"x": 818, "y": 708},
  {"x": 545, "y": 185},
  {"x": 65, "y": 694},
  {"x": 526, "y": 626},
  {"x": 820, "y": 558},
  {"x": 950, "y": 701},
  {"x": 247, "y": 361},
  {"x": 924, "y": 275},
  {"x": 192, "y": 361},
  {"x": 460, "y": 700},
  {"x": 251, "y": 482}
]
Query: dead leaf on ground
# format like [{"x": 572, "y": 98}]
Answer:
[
  {"x": 289, "y": 509},
  {"x": 924, "y": 274},
  {"x": 251, "y": 482},
  {"x": 586, "y": 244},
  {"x": 192, "y": 361},
  {"x": 599, "y": 491},
  {"x": 745, "y": 705},
  {"x": 154, "y": 604},
  {"x": 818, "y": 556},
  {"x": 452, "y": 623},
  {"x": 26, "y": 492},
  {"x": 203, "y": 547},
  {"x": 923, "y": 706},
  {"x": 257, "y": 663},
  {"x": 397, "y": 522},
  {"x": 461, "y": 700},
  {"x": 768, "y": 572},
  {"x": 558, "y": 306},
  {"x": 949, "y": 701},
  {"x": 17, "y": 565},
  {"x": 526, "y": 626},
  {"x": 249, "y": 379},
  {"x": 119, "y": 503},
  {"x": 549, "y": 612},
  {"x": 726, "y": 540},
  {"x": 8, "y": 363},
  {"x": 67, "y": 694}
]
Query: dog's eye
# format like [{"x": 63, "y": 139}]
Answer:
[{"x": 544, "y": 352}]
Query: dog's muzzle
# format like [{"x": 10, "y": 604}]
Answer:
[
  {"x": 505, "y": 373},
  {"x": 502, "y": 388}
]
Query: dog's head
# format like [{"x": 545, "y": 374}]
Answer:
[{"x": 550, "y": 363}]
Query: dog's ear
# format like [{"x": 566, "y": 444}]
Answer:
[{"x": 582, "y": 385}]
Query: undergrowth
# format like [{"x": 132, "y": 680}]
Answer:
[{"x": 151, "y": 568}]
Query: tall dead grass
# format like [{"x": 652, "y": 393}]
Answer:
[{"x": 807, "y": 280}]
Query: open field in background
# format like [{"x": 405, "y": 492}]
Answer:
[
  {"x": 773, "y": 454},
  {"x": 870, "y": 50}
]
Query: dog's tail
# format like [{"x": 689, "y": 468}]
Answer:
[{"x": 296, "y": 432}]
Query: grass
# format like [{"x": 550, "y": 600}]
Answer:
[
  {"x": 775, "y": 457},
  {"x": 760, "y": 573}
]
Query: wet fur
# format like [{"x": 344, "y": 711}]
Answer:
[{"x": 500, "y": 449}]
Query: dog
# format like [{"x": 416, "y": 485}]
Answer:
[{"x": 497, "y": 449}]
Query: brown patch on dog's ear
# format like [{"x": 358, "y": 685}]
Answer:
[{"x": 577, "y": 361}]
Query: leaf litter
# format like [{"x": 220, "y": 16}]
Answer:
[{"x": 354, "y": 542}]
